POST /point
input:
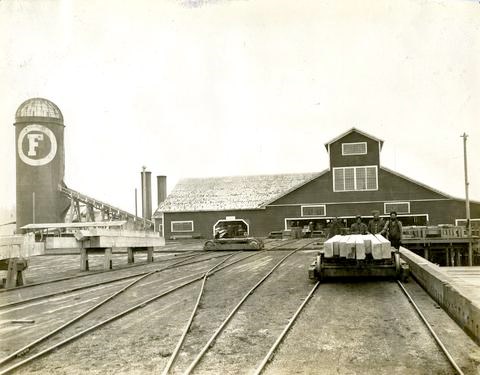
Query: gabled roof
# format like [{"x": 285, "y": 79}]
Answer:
[
  {"x": 354, "y": 130},
  {"x": 231, "y": 193},
  {"x": 417, "y": 183}
]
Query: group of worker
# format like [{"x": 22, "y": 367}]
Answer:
[{"x": 391, "y": 228}]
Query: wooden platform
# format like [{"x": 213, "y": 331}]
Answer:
[
  {"x": 97, "y": 240},
  {"x": 456, "y": 289},
  {"x": 14, "y": 253},
  {"x": 444, "y": 251}
]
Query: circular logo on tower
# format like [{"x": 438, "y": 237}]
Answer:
[{"x": 37, "y": 145}]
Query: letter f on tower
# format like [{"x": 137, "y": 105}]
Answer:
[{"x": 33, "y": 143}]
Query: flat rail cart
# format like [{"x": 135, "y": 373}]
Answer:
[
  {"x": 359, "y": 256},
  {"x": 233, "y": 234}
]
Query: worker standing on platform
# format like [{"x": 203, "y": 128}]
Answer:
[
  {"x": 334, "y": 228},
  {"x": 358, "y": 227},
  {"x": 377, "y": 224},
  {"x": 393, "y": 230},
  {"x": 310, "y": 229}
]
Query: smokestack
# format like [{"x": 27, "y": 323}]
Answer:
[
  {"x": 161, "y": 189},
  {"x": 146, "y": 178}
]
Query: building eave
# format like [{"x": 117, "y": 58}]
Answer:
[{"x": 380, "y": 141}]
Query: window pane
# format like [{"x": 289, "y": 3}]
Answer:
[
  {"x": 182, "y": 226},
  {"x": 399, "y": 208},
  {"x": 361, "y": 178},
  {"x": 338, "y": 175},
  {"x": 349, "y": 178},
  {"x": 354, "y": 148},
  {"x": 372, "y": 178},
  {"x": 313, "y": 211}
]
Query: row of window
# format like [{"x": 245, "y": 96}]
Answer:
[
  {"x": 181, "y": 226},
  {"x": 307, "y": 211},
  {"x": 321, "y": 210},
  {"x": 355, "y": 178}
]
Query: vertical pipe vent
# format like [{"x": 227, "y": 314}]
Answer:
[
  {"x": 146, "y": 183},
  {"x": 161, "y": 189}
]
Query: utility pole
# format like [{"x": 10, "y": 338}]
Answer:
[
  {"x": 136, "y": 213},
  {"x": 467, "y": 201}
]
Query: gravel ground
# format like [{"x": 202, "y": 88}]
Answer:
[
  {"x": 51, "y": 313},
  {"x": 364, "y": 327},
  {"x": 368, "y": 328}
]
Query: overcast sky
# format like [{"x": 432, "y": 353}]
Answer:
[{"x": 213, "y": 88}]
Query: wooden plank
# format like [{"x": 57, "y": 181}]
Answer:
[
  {"x": 86, "y": 224},
  {"x": 83, "y": 259},
  {"x": 150, "y": 254},
  {"x": 386, "y": 246},
  {"x": 130, "y": 255},
  {"x": 351, "y": 246},
  {"x": 107, "y": 241},
  {"x": 360, "y": 247},
  {"x": 116, "y": 233},
  {"x": 107, "y": 261},
  {"x": 376, "y": 247},
  {"x": 20, "y": 246},
  {"x": 330, "y": 245},
  {"x": 342, "y": 244},
  {"x": 54, "y": 243},
  {"x": 367, "y": 242}
]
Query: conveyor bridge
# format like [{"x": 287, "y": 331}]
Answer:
[{"x": 107, "y": 211}]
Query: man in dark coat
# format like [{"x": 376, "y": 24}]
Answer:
[
  {"x": 335, "y": 227},
  {"x": 393, "y": 230},
  {"x": 377, "y": 224},
  {"x": 358, "y": 227}
]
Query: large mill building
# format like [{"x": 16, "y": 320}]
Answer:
[{"x": 354, "y": 184}]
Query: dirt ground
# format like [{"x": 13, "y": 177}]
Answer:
[{"x": 365, "y": 327}]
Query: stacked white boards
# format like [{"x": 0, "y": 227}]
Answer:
[{"x": 357, "y": 246}]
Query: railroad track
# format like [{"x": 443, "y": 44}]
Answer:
[
  {"x": 422, "y": 317},
  {"x": 168, "y": 368},
  {"x": 99, "y": 274},
  {"x": 95, "y": 284},
  {"x": 92, "y": 273},
  {"x": 123, "y": 268},
  {"x": 269, "y": 356},
  {"x": 182, "y": 284}
]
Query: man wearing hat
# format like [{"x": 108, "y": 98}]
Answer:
[
  {"x": 358, "y": 227},
  {"x": 393, "y": 230},
  {"x": 377, "y": 224}
]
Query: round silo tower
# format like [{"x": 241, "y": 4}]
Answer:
[{"x": 40, "y": 162}]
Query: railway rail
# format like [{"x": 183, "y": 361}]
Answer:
[
  {"x": 431, "y": 330},
  {"x": 91, "y": 273},
  {"x": 50, "y": 334},
  {"x": 224, "y": 323},
  {"x": 203, "y": 276},
  {"x": 105, "y": 282}
]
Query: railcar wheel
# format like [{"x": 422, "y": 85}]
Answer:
[
  {"x": 398, "y": 267},
  {"x": 319, "y": 266},
  {"x": 254, "y": 244},
  {"x": 209, "y": 245}
]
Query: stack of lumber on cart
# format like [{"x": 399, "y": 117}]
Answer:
[{"x": 358, "y": 246}]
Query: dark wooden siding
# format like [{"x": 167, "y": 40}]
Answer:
[
  {"x": 259, "y": 221},
  {"x": 273, "y": 218},
  {"x": 371, "y": 158},
  {"x": 391, "y": 188}
]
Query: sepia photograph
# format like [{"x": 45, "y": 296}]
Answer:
[{"x": 240, "y": 187}]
